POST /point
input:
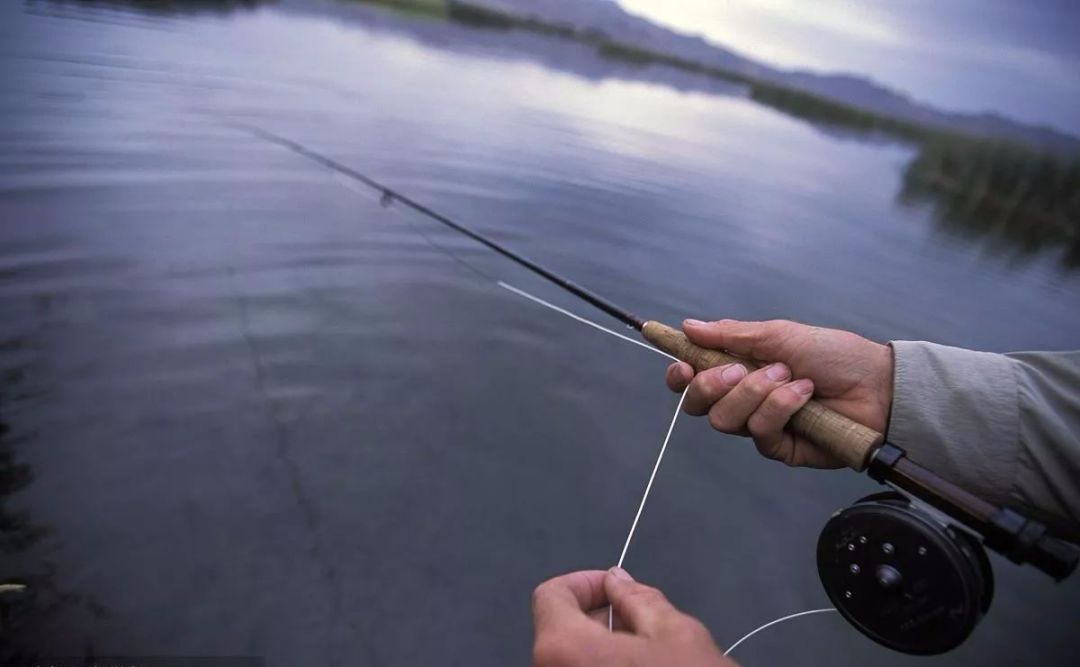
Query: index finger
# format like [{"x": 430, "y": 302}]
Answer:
[{"x": 565, "y": 599}]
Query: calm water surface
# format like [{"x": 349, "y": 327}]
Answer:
[{"x": 254, "y": 412}]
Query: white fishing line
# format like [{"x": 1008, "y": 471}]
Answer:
[
  {"x": 772, "y": 623},
  {"x": 579, "y": 318},
  {"x": 652, "y": 476},
  {"x": 351, "y": 185},
  {"x": 645, "y": 496},
  {"x": 637, "y": 518}
]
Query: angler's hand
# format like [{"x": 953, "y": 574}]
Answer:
[
  {"x": 570, "y": 615},
  {"x": 844, "y": 371}
]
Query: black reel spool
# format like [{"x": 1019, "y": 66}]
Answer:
[{"x": 902, "y": 577}]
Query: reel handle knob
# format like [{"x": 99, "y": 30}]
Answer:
[
  {"x": 844, "y": 438},
  {"x": 888, "y": 577}
]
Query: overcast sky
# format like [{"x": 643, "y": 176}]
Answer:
[{"x": 1017, "y": 57}]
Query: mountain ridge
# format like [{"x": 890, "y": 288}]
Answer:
[{"x": 608, "y": 19}]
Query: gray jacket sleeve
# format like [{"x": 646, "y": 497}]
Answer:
[{"x": 1006, "y": 427}]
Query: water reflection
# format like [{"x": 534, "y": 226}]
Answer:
[
  {"x": 17, "y": 532},
  {"x": 20, "y": 603},
  {"x": 1018, "y": 203},
  {"x": 35, "y": 607}
]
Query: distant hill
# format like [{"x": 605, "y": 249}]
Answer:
[{"x": 609, "y": 20}]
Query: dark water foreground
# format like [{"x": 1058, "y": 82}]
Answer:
[{"x": 248, "y": 410}]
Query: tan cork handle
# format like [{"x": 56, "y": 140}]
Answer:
[{"x": 847, "y": 440}]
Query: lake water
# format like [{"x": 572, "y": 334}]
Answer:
[{"x": 257, "y": 413}]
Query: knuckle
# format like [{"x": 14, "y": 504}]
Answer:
[
  {"x": 759, "y": 424},
  {"x": 757, "y": 384},
  {"x": 782, "y": 328},
  {"x": 709, "y": 384},
  {"x": 643, "y": 592},
  {"x": 539, "y": 592},
  {"x": 702, "y": 394},
  {"x": 646, "y": 596},
  {"x": 549, "y": 652},
  {"x": 774, "y": 333},
  {"x": 779, "y": 404},
  {"x": 719, "y": 420}
]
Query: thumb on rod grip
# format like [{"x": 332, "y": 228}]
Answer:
[{"x": 847, "y": 440}]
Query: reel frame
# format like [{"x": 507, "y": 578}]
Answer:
[
  {"x": 903, "y": 577},
  {"x": 908, "y": 568}
]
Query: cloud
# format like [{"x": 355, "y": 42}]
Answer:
[
  {"x": 963, "y": 55},
  {"x": 778, "y": 31}
]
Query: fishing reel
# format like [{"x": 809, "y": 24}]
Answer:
[
  {"x": 902, "y": 576},
  {"x": 916, "y": 578}
]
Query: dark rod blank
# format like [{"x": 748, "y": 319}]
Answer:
[{"x": 621, "y": 314}]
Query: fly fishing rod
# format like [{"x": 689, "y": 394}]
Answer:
[{"x": 909, "y": 570}]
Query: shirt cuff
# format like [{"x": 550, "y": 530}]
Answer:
[{"x": 956, "y": 412}]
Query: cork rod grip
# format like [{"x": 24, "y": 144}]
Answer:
[{"x": 847, "y": 440}]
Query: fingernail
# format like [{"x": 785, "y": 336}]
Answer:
[
  {"x": 733, "y": 373},
  {"x": 777, "y": 372},
  {"x": 692, "y": 323},
  {"x": 620, "y": 573},
  {"x": 803, "y": 386}
]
